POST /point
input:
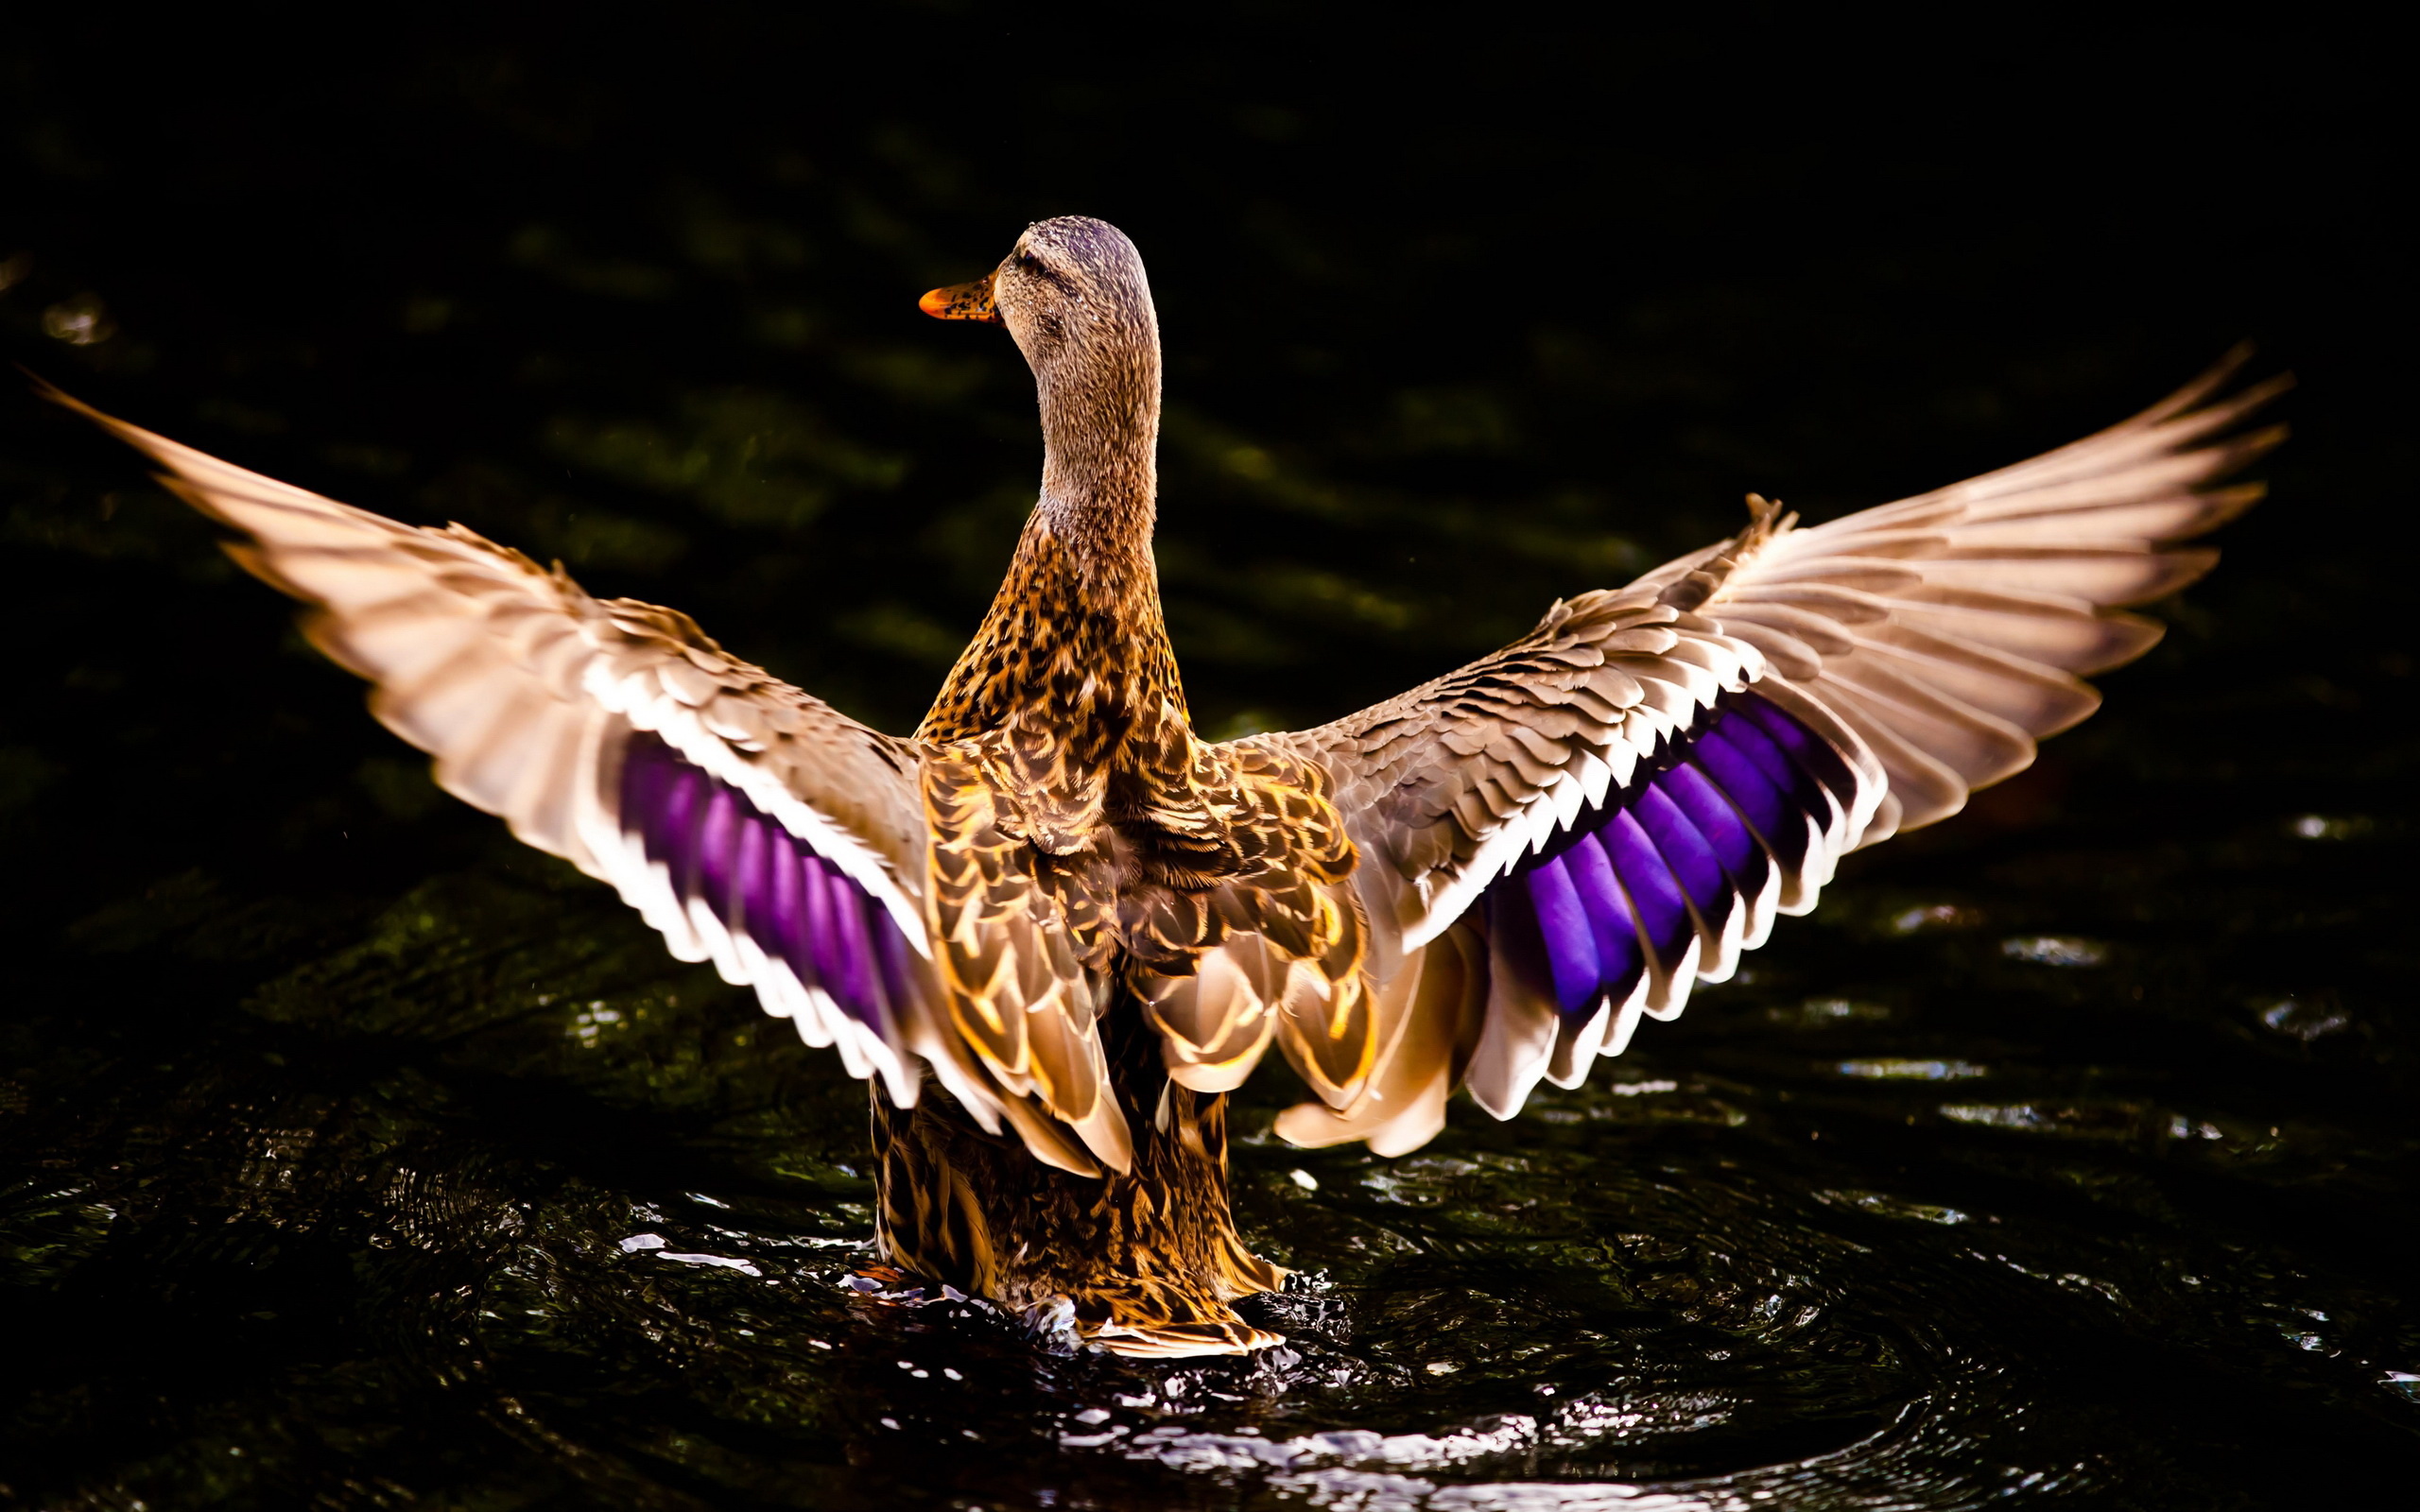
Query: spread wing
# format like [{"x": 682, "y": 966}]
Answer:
[
  {"x": 1562, "y": 836},
  {"x": 753, "y": 825}
]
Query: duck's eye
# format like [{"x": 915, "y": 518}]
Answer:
[{"x": 1028, "y": 263}]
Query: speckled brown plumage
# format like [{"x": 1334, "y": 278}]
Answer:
[
  {"x": 1086, "y": 851},
  {"x": 1146, "y": 1259}
]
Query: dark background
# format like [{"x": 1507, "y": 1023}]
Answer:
[{"x": 1463, "y": 312}]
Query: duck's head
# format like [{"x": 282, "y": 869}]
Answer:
[{"x": 1072, "y": 293}]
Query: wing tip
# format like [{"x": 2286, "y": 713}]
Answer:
[
  {"x": 149, "y": 444},
  {"x": 2215, "y": 377}
]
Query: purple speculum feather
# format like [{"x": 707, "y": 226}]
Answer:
[
  {"x": 1703, "y": 818},
  {"x": 719, "y": 848}
]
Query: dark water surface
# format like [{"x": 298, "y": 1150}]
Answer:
[{"x": 353, "y": 1157}]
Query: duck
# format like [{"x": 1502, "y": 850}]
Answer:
[{"x": 1055, "y": 927}]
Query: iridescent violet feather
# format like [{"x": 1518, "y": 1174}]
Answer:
[
  {"x": 1697, "y": 832},
  {"x": 762, "y": 883}
]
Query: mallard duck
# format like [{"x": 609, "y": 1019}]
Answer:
[{"x": 1054, "y": 927}]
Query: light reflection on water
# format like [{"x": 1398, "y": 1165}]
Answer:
[{"x": 1718, "y": 1281}]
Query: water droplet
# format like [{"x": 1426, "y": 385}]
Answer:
[
  {"x": 2303, "y": 1021},
  {"x": 2322, "y": 827}
]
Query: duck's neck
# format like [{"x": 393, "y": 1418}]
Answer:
[
  {"x": 1100, "y": 437},
  {"x": 1075, "y": 636}
]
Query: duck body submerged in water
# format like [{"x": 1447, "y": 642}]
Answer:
[{"x": 1055, "y": 927}]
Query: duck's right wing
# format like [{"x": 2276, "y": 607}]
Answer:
[{"x": 752, "y": 824}]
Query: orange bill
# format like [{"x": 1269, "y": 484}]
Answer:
[{"x": 962, "y": 302}]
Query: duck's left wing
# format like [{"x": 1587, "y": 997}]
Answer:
[
  {"x": 752, "y": 824},
  {"x": 1549, "y": 848},
  {"x": 1561, "y": 836}
]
